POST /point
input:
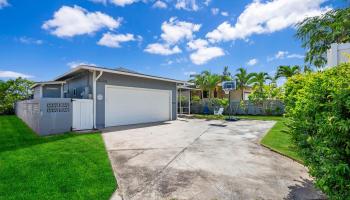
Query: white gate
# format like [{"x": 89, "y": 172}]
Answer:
[{"x": 83, "y": 114}]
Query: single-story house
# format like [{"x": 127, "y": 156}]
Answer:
[
  {"x": 235, "y": 95},
  {"x": 103, "y": 97}
]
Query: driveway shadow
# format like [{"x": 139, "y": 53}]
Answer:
[
  {"x": 136, "y": 126},
  {"x": 305, "y": 190}
]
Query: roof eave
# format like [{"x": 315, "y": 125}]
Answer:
[{"x": 87, "y": 67}]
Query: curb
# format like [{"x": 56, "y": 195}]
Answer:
[{"x": 280, "y": 153}]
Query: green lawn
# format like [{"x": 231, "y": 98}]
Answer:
[
  {"x": 276, "y": 139},
  {"x": 68, "y": 166}
]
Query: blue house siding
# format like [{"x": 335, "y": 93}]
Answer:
[
  {"x": 129, "y": 81},
  {"x": 52, "y": 91},
  {"x": 79, "y": 87}
]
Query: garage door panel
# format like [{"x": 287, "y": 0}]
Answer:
[{"x": 126, "y": 105}]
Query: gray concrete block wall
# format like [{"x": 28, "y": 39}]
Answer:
[
  {"x": 29, "y": 112},
  {"x": 46, "y": 116},
  {"x": 269, "y": 107}
]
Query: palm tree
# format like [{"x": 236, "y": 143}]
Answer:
[
  {"x": 259, "y": 79},
  {"x": 212, "y": 81},
  {"x": 242, "y": 79},
  {"x": 226, "y": 75},
  {"x": 287, "y": 71},
  {"x": 200, "y": 80}
]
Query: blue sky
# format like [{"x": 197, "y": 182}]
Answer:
[{"x": 173, "y": 38}]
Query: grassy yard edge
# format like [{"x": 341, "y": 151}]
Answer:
[
  {"x": 275, "y": 133},
  {"x": 70, "y": 165}
]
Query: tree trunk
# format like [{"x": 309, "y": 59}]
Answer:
[
  {"x": 202, "y": 94},
  {"x": 242, "y": 93}
]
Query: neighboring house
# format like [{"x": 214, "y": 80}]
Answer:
[
  {"x": 109, "y": 97},
  {"x": 236, "y": 95},
  {"x": 338, "y": 53}
]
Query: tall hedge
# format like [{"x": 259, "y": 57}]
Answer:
[{"x": 318, "y": 106}]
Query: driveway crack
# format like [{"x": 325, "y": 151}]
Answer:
[{"x": 158, "y": 175}]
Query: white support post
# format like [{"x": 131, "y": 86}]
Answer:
[
  {"x": 62, "y": 90},
  {"x": 180, "y": 102},
  {"x": 189, "y": 102},
  {"x": 94, "y": 96},
  {"x": 41, "y": 91}
]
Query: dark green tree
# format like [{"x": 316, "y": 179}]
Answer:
[
  {"x": 318, "y": 33},
  {"x": 12, "y": 91}
]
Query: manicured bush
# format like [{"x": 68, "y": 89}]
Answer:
[{"x": 318, "y": 106}]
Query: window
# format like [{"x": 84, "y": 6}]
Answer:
[
  {"x": 205, "y": 94},
  {"x": 74, "y": 92}
]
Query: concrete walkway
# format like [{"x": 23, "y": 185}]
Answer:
[{"x": 199, "y": 159}]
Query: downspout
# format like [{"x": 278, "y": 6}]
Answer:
[{"x": 94, "y": 80}]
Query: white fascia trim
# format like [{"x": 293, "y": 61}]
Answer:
[
  {"x": 47, "y": 83},
  {"x": 119, "y": 72}
]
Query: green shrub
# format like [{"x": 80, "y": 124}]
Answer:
[
  {"x": 318, "y": 105},
  {"x": 195, "y": 99}
]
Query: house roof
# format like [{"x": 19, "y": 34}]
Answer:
[
  {"x": 120, "y": 70},
  {"x": 47, "y": 83}
]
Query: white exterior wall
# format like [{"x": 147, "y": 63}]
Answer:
[{"x": 337, "y": 54}]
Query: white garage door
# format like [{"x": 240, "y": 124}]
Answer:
[{"x": 129, "y": 105}]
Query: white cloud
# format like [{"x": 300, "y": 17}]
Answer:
[
  {"x": 189, "y": 5},
  {"x": 72, "y": 21},
  {"x": 197, "y": 44},
  {"x": 225, "y": 14},
  {"x": 123, "y": 2},
  {"x": 203, "y": 53},
  {"x": 162, "y": 49},
  {"x": 28, "y": 40},
  {"x": 160, "y": 4},
  {"x": 215, "y": 11},
  {"x": 104, "y": 2},
  {"x": 114, "y": 40},
  {"x": 267, "y": 17},
  {"x": 3, "y": 3},
  {"x": 284, "y": 55},
  {"x": 207, "y": 2},
  {"x": 252, "y": 62},
  {"x": 75, "y": 64},
  {"x": 12, "y": 74},
  {"x": 298, "y": 56},
  {"x": 281, "y": 54},
  {"x": 174, "y": 30},
  {"x": 190, "y": 73}
]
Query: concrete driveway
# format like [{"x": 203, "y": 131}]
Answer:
[{"x": 199, "y": 159}]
